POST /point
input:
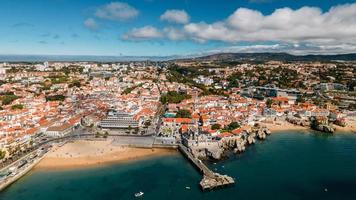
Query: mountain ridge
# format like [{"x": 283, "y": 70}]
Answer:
[{"x": 274, "y": 56}]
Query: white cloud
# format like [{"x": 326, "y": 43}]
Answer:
[
  {"x": 150, "y": 32},
  {"x": 91, "y": 24},
  {"x": 174, "y": 33},
  {"x": 176, "y": 16},
  {"x": 296, "y": 49},
  {"x": 143, "y": 33},
  {"x": 307, "y": 24},
  {"x": 202, "y": 32},
  {"x": 307, "y": 29},
  {"x": 117, "y": 11}
]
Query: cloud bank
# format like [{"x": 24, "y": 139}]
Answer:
[
  {"x": 307, "y": 24},
  {"x": 308, "y": 27}
]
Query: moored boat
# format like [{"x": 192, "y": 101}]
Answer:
[{"x": 139, "y": 194}]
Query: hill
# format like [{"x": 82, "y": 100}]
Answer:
[{"x": 274, "y": 56}]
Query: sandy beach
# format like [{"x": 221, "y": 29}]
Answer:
[
  {"x": 350, "y": 126},
  {"x": 283, "y": 126},
  {"x": 84, "y": 153},
  {"x": 286, "y": 126}
]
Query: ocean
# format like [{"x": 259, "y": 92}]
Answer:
[{"x": 286, "y": 166}]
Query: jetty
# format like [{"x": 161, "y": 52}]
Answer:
[{"x": 210, "y": 179}]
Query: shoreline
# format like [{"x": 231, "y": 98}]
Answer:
[
  {"x": 87, "y": 154},
  {"x": 280, "y": 126},
  {"x": 8, "y": 182}
]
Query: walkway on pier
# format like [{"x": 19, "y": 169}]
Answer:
[
  {"x": 198, "y": 163},
  {"x": 210, "y": 179}
]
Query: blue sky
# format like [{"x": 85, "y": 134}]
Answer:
[{"x": 176, "y": 27}]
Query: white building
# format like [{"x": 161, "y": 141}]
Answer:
[
  {"x": 3, "y": 68},
  {"x": 59, "y": 131}
]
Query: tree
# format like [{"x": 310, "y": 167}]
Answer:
[
  {"x": 352, "y": 106},
  {"x": 148, "y": 123},
  {"x": 31, "y": 143},
  {"x": 269, "y": 103},
  {"x": 58, "y": 79},
  {"x": 183, "y": 114},
  {"x": 17, "y": 107},
  {"x": 300, "y": 100},
  {"x": 130, "y": 89},
  {"x": 46, "y": 87},
  {"x": 233, "y": 126},
  {"x": 8, "y": 99},
  {"x": 75, "y": 83},
  {"x": 215, "y": 126},
  {"x": 233, "y": 79},
  {"x": 2, "y": 154},
  {"x": 55, "y": 98},
  {"x": 174, "y": 97}
]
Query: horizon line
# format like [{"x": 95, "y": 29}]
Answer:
[{"x": 127, "y": 58}]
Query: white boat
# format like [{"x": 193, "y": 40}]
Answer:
[
  {"x": 139, "y": 194},
  {"x": 187, "y": 187}
]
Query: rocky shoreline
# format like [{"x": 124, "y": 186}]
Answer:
[{"x": 217, "y": 150}]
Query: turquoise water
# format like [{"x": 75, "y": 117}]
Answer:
[{"x": 285, "y": 166}]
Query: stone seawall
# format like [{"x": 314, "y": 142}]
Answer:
[{"x": 7, "y": 182}]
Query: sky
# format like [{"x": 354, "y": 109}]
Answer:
[{"x": 176, "y": 27}]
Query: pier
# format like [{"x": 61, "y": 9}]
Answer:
[{"x": 210, "y": 179}]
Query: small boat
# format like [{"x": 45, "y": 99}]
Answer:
[
  {"x": 139, "y": 194},
  {"x": 187, "y": 187}
]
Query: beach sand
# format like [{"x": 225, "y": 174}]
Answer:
[
  {"x": 286, "y": 126},
  {"x": 283, "y": 126},
  {"x": 350, "y": 126},
  {"x": 84, "y": 153}
]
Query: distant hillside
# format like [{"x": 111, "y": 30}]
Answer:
[{"x": 274, "y": 56}]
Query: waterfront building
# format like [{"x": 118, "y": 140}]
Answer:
[{"x": 117, "y": 119}]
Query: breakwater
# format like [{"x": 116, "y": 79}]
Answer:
[{"x": 210, "y": 179}]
